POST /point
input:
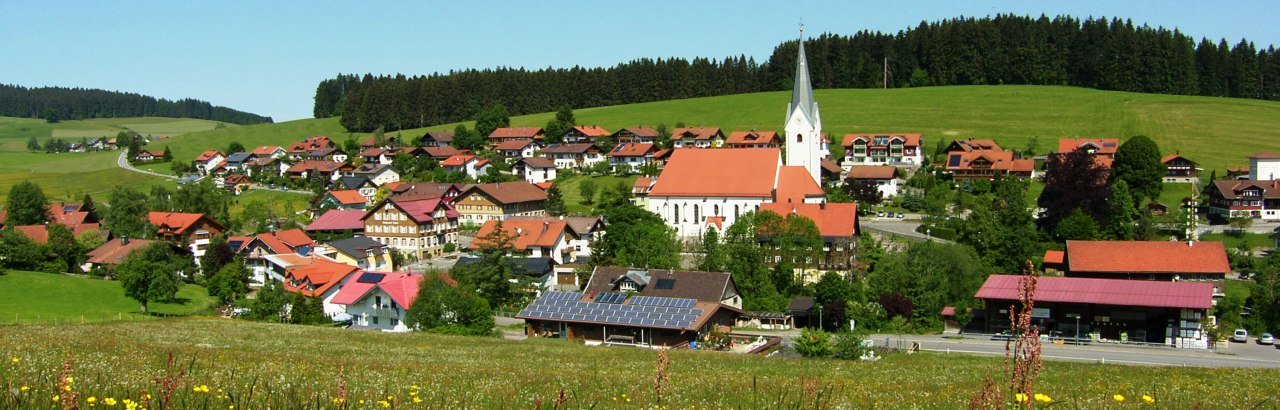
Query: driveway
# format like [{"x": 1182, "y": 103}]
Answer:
[{"x": 123, "y": 162}]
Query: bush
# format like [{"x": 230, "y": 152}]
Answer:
[
  {"x": 450, "y": 247},
  {"x": 849, "y": 346},
  {"x": 813, "y": 343}
]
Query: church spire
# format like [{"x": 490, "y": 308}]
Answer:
[{"x": 802, "y": 91}]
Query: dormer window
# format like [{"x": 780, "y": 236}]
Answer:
[{"x": 627, "y": 286}]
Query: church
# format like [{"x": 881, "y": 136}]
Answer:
[{"x": 702, "y": 188}]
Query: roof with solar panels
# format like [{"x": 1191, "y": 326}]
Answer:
[{"x": 667, "y": 299}]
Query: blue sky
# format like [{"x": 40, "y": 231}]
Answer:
[{"x": 267, "y": 57}]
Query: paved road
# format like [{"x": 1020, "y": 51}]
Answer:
[
  {"x": 899, "y": 227},
  {"x": 123, "y": 162}
]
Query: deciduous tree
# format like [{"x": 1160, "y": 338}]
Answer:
[
  {"x": 26, "y": 205},
  {"x": 1138, "y": 165},
  {"x": 127, "y": 215},
  {"x": 150, "y": 275}
]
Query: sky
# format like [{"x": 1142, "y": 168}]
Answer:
[{"x": 267, "y": 57}]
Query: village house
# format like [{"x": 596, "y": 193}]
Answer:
[
  {"x": 637, "y": 307},
  {"x": 378, "y": 174},
  {"x": 984, "y": 159},
  {"x": 471, "y": 165},
  {"x": 380, "y": 301},
  {"x": 346, "y": 199},
  {"x": 632, "y": 156},
  {"x": 535, "y": 170},
  {"x": 236, "y": 183},
  {"x": 1178, "y": 168},
  {"x": 360, "y": 251},
  {"x": 438, "y": 153},
  {"x": 258, "y": 167},
  {"x": 112, "y": 252},
  {"x": 403, "y": 191},
  {"x": 831, "y": 172},
  {"x": 517, "y": 149},
  {"x": 1255, "y": 194},
  {"x": 332, "y": 154},
  {"x": 1167, "y": 261},
  {"x": 298, "y": 150},
  {"x": 236, "y": 161},
  {"x": 192, "y": 231},
  {"x": 328, "y": 170},
  {"x": 321, "y": 279},
  {"x": 1103, "y": 150},
  {"x": 698, "y": 187},
  {"x": 640, "y": 191},
  {"x": 884, "y": 177},
  {"x": 540, "y": 274},
  {"x": 338, "y": 222},
  {"x": 421, "y": 228},
  {"x": 516, "y": 133},
  {"x": 148, "y": 156},
  {"x": 700, "y": 137},
  {"x": 585, "y": 133},
  {"x": 486, "y": 202},
  {"x": 254, "y": 249},
  {"x": 883, "y": 149},
  {"x": 637, "y": 135},
  {"x": 378, "y": 155},
  {"x": 207, "y": 161},
  {"x": 544, "y": 237},
  {"x": 574, "y": 155},
  {"x": 589, "y": 229},
  {"x": 436, "y": 139},
  {"x": 753, "y": 139},
  {"x": 268, "y": 151},
  {"x": 359, "y": 183},
  {"x": 838, "y": 225}
]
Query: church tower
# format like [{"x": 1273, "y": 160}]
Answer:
[{"x": 804, "y": 125}]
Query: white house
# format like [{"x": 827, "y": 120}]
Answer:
[
  {"x": 378, "y": 174},
  {"x": 701, "y": 137},
  {"x": 516, "y": 149},
  {"x": 471, "y": 165},
  {"x": 884, "y": 177},
  {"x": 534, "y": 237},
  {"x": 208, "y": 160},
  {"x": 536, "y": 170},
  {"x": 379, "y": 301},
  {"x": 322, "y": 279},
  {"x": 631, "y": 156},
  {"x": 575, "y": 155},
  {"x": 882, "y": 149}
]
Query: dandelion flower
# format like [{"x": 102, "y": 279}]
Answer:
[
  {"x": 70, "y": 380},
  {"x": 55, "y": 397},
  {"x": 1043, "y": 398},
  {"x": 67, "y": 387},
  {"x": 1118, "y": 398},
  {"x": 1148, "y": 399},
  {"x": 417, "y": 399},
  {"x": 1020, "y": 397},
  {"x": 23, "y": 389},
  {"x": 15, "y": 360},
  {"x": 91, "y": 400},
  {"x": 109, "y": 401}
]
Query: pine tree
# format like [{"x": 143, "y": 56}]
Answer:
[
  {"x": 555, "y": 201},
  {"x": 1123, "y": 215}
]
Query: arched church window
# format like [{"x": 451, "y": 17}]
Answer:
[{"x": 799, "y": 137}]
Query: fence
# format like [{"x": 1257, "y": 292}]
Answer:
[{"x": 40, "y": 319}]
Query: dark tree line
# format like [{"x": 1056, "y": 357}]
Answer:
[
  {"x": 1108, "y": 54},
  {"x": 59, "y": 103}
]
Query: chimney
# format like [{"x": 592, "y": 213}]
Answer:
[
  {"x": 822, "y": 205},
  {"x": 546, "y": 225},
  {"x": 519, "y": 231}
]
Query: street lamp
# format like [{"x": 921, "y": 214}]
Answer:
[{"x": 820, "y": 316}]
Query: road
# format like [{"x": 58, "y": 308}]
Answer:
[
  {"x": 123, "y": 162},
  {"x": 1234, "y": 355},
  {"x": 894, "y": 226}
]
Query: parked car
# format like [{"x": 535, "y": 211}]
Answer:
[
  {"x": 1003, "y": 335},
  {"x": 901, "y": 215},
  {"x": 880, "y": 214},
  {"x": 1266, "y": 339},
  {"x": 1240, "y": 336}
]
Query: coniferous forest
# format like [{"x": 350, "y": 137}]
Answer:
[
  {"x": 1101, "y": 53},
  {"x": 60, "y": 103}
]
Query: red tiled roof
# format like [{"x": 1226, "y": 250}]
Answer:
[
  {"x": 1264, "y": 155},
  {"x": 795, "y": 184},
  {"x": 265, "y": 150},
  {"x": 642, "y": 185},
  {"x": 873, "y": 172},
  {"x": 535, "y": 232},
  {"x": 37, "y": 233},
  {"x": 236, "y": 179},
  {"x": 591, "y": 130},
  {"x": 316, "y": 165},
  {"x": 419, "y": 210},
  {"x": 1056, "y": 257},
  {"x": 752, "y": 137},
  {"x": 633, "y": 149},
  {"x": 1112, "y": 292},
  {"x": 177, "y": 222},
  {"x": 338, "y": 220},
  {"x": 439, "y": 136},
  {"x": 1000, "y": 161},
  {"x": 832, "y": 219},
  {"x": 320, "y": 275},
  {"x": 908, "y": 140},
  {"x": 515, "y": 132},
  {"x": 348, "y": 197},
  {"x": 544, "y": 185},
  {"x": 440, "y": 152},
  {"x": 974, "y": 144},
  {"x": 1233, "y": 188},
  {"x": 457, "y": 160},
  {"x": 718, "y": 221},
  {"x": 639, "y": 132},
  {"x": 697, "y": 133},
  {"x": 831, "y": 166},
  {"x": 506, "y": 193},
  {"x": 1104, "y": 145},
  {"x": 208, "y": 155},
  {"x": 513, "y": 145},
  {"x": 719, "y": 172},
  {"x": 401, "y": 287},
  {"x": 1171, "y": 157},
  {"x": 570, "y": 148},
  {"x": 114, "y": 251},
  {"x": 539, "y": 162},
  {"x": 1147, "y": 257}
]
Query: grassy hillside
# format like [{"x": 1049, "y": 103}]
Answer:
[
  {"x": 253, "y": 365},
  {"x": 37, "y": 297}
]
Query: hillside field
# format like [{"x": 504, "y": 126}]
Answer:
[{"x": 255, "y": 365}]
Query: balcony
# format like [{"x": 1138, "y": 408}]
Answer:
[{"x": 383, "y": 311}]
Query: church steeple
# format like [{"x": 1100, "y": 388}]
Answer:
[
  {"x": 804, "y": 124},
  {"x": 802, "y": 91}
]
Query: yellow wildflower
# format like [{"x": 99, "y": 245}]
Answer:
[
  {"x": 23, "y": 389},
  {"x": 109, "y": 401},
  {"x": 1148, "y": 399},
  {"x": 55, "y": 397},
  {"x": 70, "y": 380},
  {"x": 67, "y": 387},
  {"x": 417, "y": 399},
  {"x": 1118, "y": 398},
  {"x": 15, "y": 360},
  {"x": 91, "y": 400},
  {"x": 384, "y": 403},
  {"x": 415, "y": 387},
  {"x": 1020, "y": 397},
  {"x": 1043, "y": 398}
]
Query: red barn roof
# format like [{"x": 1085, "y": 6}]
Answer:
[
  {"x": 1114, "y": 292},
  {"x": 338, "y": 220},
  {"x": 1147, "y": 257}
]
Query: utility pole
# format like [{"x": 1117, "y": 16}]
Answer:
[{"x": 886, "y": 72}]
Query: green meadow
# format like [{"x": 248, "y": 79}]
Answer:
[{"x": 38, "y": 297}]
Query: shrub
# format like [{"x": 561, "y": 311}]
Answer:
[
  {"x": 450, "y": 247},
  {"x": 849, "y": 346},
  {"x": 813, "y": 343}
]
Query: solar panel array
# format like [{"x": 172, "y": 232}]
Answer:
[
  {"x": 567, "y": 306},
  {"x": 370, "y": 277},
  {"x": 610, "y": 297},
  {"x": 663, "y": 301}
]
